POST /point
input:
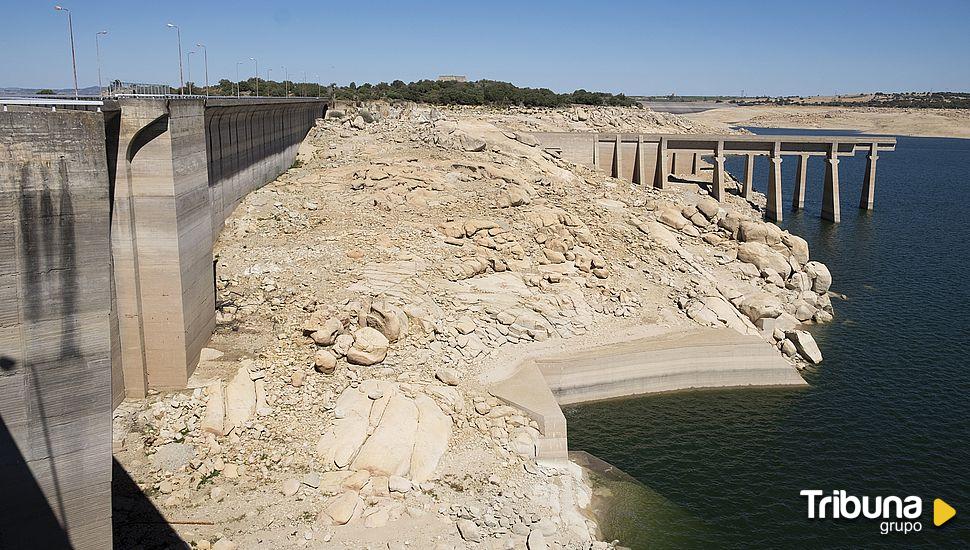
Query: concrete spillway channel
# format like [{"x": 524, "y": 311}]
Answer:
[{"x": 667, "y": 361}]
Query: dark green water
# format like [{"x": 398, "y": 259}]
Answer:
[{"x": 887, "y": 410}]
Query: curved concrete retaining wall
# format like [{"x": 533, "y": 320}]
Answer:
[{"x": 697, "y": 358}]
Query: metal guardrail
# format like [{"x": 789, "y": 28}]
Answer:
[
  {"x": 53, "y": 103},
  {"x": 96, "y": 104},
  {"x": 48, "y": 101}
]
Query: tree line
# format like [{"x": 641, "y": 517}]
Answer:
[{"x": 481, "y": 92}]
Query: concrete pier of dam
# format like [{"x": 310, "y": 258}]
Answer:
[
  {"x": 662, "y": 362},
  {"x": 653, "y": 159},
  {"x": 181, "y": 169},
  {"x": 107, "y": 287}
]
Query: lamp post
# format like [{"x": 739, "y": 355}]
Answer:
[
  {"x": 178, "y": 33},
  {"x": 286, "y": 76},
  {"x": 70, "y": 28},
  {"x": 97, "y": 45},
  {"x": 304, "y": 85},
  {"x": 188, "y": 58},
  {"x": 269, "y": 71},
  {"x": 256, "y": 73},
  {"x": 318, "y": 85},
  {"x": 237, "y": 78},
  {"x": 205, "y": 61}
]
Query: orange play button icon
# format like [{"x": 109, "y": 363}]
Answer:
[{"x": 942, "y": 512}]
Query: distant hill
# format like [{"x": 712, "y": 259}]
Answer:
[{"x": 910, "y": 100}]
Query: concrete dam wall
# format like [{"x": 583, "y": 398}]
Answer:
[
  {"x": 107, "y": 286},
  {"x": 55, "y": 319},
  {"x": 183, "y": 166}
]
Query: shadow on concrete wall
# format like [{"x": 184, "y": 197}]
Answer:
[
  {"x": 135, "y": 521},
  {"x": 27, "y": 519}
]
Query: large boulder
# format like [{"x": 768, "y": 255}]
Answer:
[
  {"x": 799, "y": 281},
  {"x": 798, "y": 247},
  {"x": 673, "y": 217},
  {"x": 240, "y": 399},
  {"x": 821, "y": 278},
  {"x": 388, "y": 451},
  {"x": 325, "y": 334},
  {"x": 390, "y": 320},
  {"x": 784, "y": 322},
  {"x": 660, "y": 234},
  {"x": 339, "y": 445},
  {"x": 760, "y": 232},
  {"x": 805, "y": 345},
  {"x": 343, "y": 507},
  {"x": 763, "y": 257},
  {"x": 527, "y": 139},
  {"x": 759, "y": 305},
  {"x": 325, "y": 361},
  {"x": 471, "y": 144},
  {"x": 708, "y": 207},
  {"x": 731, "y": 223},
  {"x": 408, "y": 436},
  {"x": 430, "y": 440},
  {"x": 215, "y": 409},
  {"x": 752, "y": 231},
  {"x": 370, "y": 347}
]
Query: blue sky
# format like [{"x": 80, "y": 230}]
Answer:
[{"x": 642, "y": 47}]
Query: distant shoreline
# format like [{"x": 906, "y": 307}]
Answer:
[{"x": 943, "y": 123}]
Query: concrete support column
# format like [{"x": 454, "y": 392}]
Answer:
[
  {"x": 717, "y": 182},
  {"x": 830, "y": 193},
  {"x": 869, "y": 180},
  {"x": 617, "y": 158},
  {"x": 663, "y": 169},
  {"x": 695, "y": 165},
  {"x": 638, "y": 163},
  {"x": 748, "y": 177},
  {"x": 596, "y": 151},
  {"x": 801, "y": 173},
  {"x": 773, "y": 208}
]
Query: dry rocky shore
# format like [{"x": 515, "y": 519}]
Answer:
[{"x": 366, "y": 294}]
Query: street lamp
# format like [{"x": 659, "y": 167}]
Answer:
[
  {"x": 318, "y": 85},
  {"x": 238, "y": 63},
  {"x": 205, "y": 58},
  {"x": 188, "y": 58},
  {"x": 70, "y": 28},
  {"x": 256, "y": 72},
  {"x": 268, "y": 72},
  {"x": 286, "y": 76},
  {"x": 304, "y": 85},
  {"x": 97, "y": 44},
  {"x": 178, "y": 32}
]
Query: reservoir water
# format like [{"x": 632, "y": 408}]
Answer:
[{"x": 888, "y": 410}]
